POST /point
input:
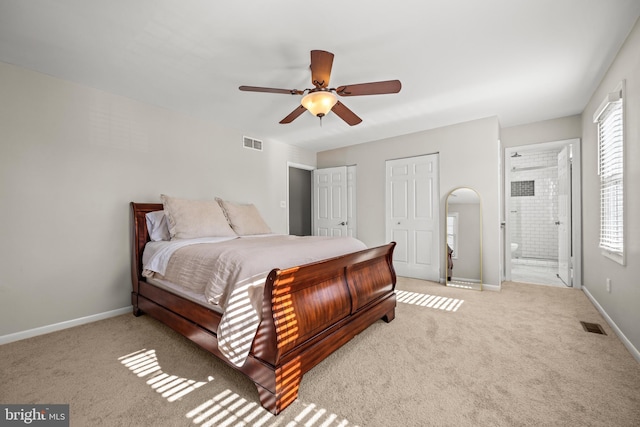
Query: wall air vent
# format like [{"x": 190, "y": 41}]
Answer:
[{"x": 254, "y": 144}]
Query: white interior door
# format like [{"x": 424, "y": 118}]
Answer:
[
  {"x": 334, "y": 201},
  {"x": 351, "y": 201},
  {"x": 564, "y": 216},
  {"x": 412, "y": 215}
]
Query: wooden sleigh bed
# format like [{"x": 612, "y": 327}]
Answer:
[{"x": 308, "y": 312}]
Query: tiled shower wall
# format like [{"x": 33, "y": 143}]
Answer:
[{"x": 534, "y": 211}]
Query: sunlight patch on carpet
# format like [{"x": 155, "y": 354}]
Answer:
[
  {"x": 457, "y": 283},
  {"x": 229, "y": 409},
  {"x": 430, "y": 301},
  {"x": 144, "y": 363},
  {"x": 226, "y": 408}
]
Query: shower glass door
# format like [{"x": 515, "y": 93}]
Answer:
[{"x": 564, "y": 216}]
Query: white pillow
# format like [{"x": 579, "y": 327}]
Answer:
[
  {"x": 190, "y": 219},
  {"x": 244, "y": 219},
  {"x": 157, "y": 226}
]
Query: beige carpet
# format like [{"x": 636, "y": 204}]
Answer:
[{"x": 509, "y": 358}]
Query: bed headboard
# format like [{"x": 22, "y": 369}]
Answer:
[{"x": 139, "y": 236}]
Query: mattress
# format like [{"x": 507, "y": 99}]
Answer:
[{"x": 191, "y": 295}]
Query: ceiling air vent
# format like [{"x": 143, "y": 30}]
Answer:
[{"x": 252, "y": 143}]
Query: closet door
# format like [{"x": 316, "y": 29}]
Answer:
[{"x": 412, "y": 215}]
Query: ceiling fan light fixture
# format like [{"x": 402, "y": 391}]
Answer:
[{"x": 320, "y": 102}]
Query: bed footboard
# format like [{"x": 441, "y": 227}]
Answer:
[{"x": 314, "y": 310}]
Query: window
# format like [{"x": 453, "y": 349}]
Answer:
[
  {"x": 609, "y": 118},
  {"x": 452, "y": 233}
]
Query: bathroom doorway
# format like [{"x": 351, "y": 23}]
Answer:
[
  {"x": 299, "y": 199},
  {"x": 542, "y": 214}
]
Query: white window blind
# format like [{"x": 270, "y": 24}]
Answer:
[{"x": 609, "y": 118}]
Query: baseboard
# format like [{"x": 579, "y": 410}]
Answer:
[
  {"x": 485, "y": 286},
  {"x": 5, "y": 339},
  {"x": 634, "y": 351}
]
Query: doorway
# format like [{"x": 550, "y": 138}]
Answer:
[
  {"x": 321, "y": 202},
  {"x": 542, "y": 214},
  {"x": 299, "y": 201},
  {"x": 299, "y": 179}
]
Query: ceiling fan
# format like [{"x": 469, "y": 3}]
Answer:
[{"x": 321, "y": 99}]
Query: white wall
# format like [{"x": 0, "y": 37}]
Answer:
[
  {"x": 552, "y": 130},
  {"x": 72, "y": 158},
  {"x": 622, "y": 305},
  {"x": 469, "y": 157}
]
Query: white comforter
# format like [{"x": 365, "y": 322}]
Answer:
[{"x": 231, "y": 273}]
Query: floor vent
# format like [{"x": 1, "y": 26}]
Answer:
[{"x": 593, "y": 328}]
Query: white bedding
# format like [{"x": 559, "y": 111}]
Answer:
[
  {"x": 156, "y": 255},
  {"x": 231, "y": 272},
  {"x": 197, "y": 297}
]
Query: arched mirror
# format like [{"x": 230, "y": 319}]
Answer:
[{"x": 463, "y": 249}]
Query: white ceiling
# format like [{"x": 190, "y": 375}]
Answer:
[{"x": 458, "y": 60}]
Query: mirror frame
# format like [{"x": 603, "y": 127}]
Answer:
[{"x": 446, "y": 245}]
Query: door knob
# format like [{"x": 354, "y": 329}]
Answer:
[{"x": 343, "y": 223}]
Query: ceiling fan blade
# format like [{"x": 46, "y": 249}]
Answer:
[
  {"x": 293, "y": 115},
  {"x": 374, "y": 88},
  {"x": 271, "y": 90},
  {"x": 321, "y": 63},
  {"x": 346, "y": 114}
]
